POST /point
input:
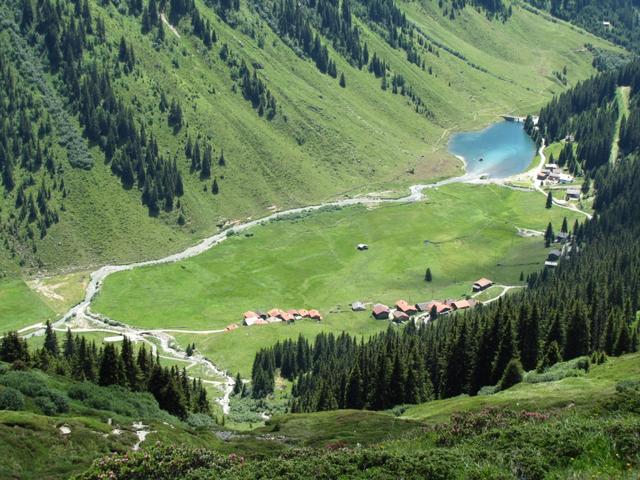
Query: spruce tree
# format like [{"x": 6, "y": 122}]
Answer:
[
  {"x": 549, "y": 203},
  {"x": 50, "y": 340},
  {"x": 427, "y": 275}
]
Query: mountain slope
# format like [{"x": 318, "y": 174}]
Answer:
[{"x": 322, "y": 142}]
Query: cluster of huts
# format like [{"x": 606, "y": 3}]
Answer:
[
  {"x": 403, "y": 311},
  {"x": 552, "y": 174},
  {"x": 275, "y": 315}
]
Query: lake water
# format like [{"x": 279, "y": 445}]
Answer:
[{"x": 501, "y": 150}]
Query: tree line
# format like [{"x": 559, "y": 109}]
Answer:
[{"x": 107, "y": 365}]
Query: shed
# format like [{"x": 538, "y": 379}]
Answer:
[
  {"x": 400, "y": 316},
  {"x": 247, "y": 322},
  {"x": 460, "y": 305},
  {"x": 562, "y": 237},
  {"x": 358, "y": 307},
  {"x": 362, "y": 246},
  {"x": 482, "y": 284},
  {"x": 554, "y": 255},
  {"x": 380, "y": 311},
  {"x": 303, "y": 313},
  {"x": 250, "y": 314},
  {"x": 315, "y": 315},
  {"x": 231, "y": 327},
  {"x": 573, "y": 194},
  {"x": 275, "y": 312},
  {"x": 404, "y": 307}
]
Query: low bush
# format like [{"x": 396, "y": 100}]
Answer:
[
  {"x": 11, "y": 399},
  {"x": 577, "y": 367},
  {"x": 28, "y": 383},
  {"x": 200, "y": 421},
  {"x": 46, "y": 405}
]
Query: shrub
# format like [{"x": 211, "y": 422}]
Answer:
[
  {"x": 28, "y": 383},
  {"x": 512, "y": 375},
  {"x": 200, "y": 420},
  {"x": 46, "y": 405},
  {"x": 59, "y": 400},
  {"x": 11, "y": 399},
  {"x": 4, "y": 368},
  {"x": 573, "y": 368}
]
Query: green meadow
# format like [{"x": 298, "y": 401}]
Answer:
[
  {"x": 461, "y": 232},
  {"x": 20, "y": 306}
]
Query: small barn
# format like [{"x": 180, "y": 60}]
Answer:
[
  {"x": 315, "y": 315},
  {"x": 405, "y": 307},
  {"x": 482, "y": 284},
  {"x": 275, "y": 312},
  {"x": 400, "y": 316},
  {"x": 303, "y": 313},
  {"x": 562, "y": 237},
  {"x": 460, "y": 305},
  {"x": 573, "y": 194},
  {"x": 380, "y": 312},
  {"x": 231, "y": 327},
  {"x": 362, "y": 246},
  {"x": 554, "y": 255}
]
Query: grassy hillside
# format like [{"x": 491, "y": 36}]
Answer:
[
  {"x": 589, "y": 433},
  {"x": 334, "y": 137}
]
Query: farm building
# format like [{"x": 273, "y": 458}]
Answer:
[
  {"x": 482, "y": 284},
  {"x": 400, "y": 316},
  {"x": 362, "y": 246},
  {"x": 460, "y": 305},
  {"x": 543, "y": 175},
  {"x": 380, "y": 311},
  {"x": 293, "y": 312},
  {"x": 287, "y": 317},
  {"x": 231, "y": 327},
  {"x": 273, "y": 319},
  {"x": 404, "y": 307},
  {"x": 358, "y": 307},
  {"x": 249, "y": 314},
  {"x": 260, "y": 321},
  {"x": 247, "y": 322},
  {"x": 573, "y": 194},
  {"x": 554, "y": 255},
  {"x": 562, "y": 237},
  {"x": 551, "y": 166},
  {"x": 275, "y": 312},
  {"x": 315, "y": 315},
  {"x": 303, "y": 313},
  {"x": 261, "y": 314}
]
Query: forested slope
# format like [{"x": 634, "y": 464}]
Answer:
[{"x": 133, "y": 129}]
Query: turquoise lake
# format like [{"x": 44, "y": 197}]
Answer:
[{"x": 500, "y": 150}]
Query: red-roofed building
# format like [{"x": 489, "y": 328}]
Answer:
[
  {"x": 380, "y": 312},
  {"x": 482, "y": 284},
  {"x": 260, "y": 321},
  {"x": 275, "y": 312},
  {"x": 460, "y": 305},
  {"x": 404, "y": 307},
  {"x": 315, "y": 315},
  {"x": 230, "y": 327},
  {"x": 400, "y": 316},
  {"x": 250, "y": 314},
  {"x": 287, "y": 317},
  {"x": 293, "y": 312},
  {"x": 303, "y": 313}
]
